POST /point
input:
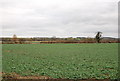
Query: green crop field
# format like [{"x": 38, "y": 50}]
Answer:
[{"x": 73, "y": 61}]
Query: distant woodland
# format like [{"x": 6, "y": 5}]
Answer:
[{"x": 41, "y": 40}]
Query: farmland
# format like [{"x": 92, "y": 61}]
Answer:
[{"x": 74, "y": 61}]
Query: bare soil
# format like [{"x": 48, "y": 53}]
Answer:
[{"x": 16, "y": 77}]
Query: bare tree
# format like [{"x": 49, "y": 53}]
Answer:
[{"x": 98, "y": 36}]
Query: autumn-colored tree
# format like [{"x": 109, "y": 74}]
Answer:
[{"x": 15, "y": 39}]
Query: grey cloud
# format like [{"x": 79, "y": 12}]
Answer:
[{"x": 59, "y": 17}]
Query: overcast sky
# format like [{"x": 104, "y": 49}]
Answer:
[{"x": 60, "y": 18}]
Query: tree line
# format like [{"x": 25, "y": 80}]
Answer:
[{"x": 97, "y": 39}]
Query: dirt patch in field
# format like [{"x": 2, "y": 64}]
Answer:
[
  {"x": 16, "y": 77},
  {"x": 8, "y": 51}
]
